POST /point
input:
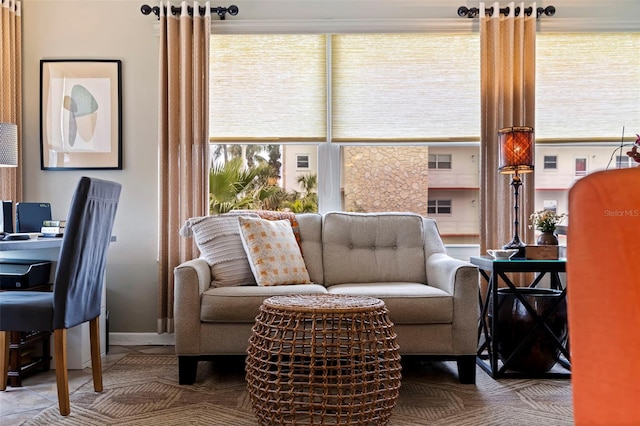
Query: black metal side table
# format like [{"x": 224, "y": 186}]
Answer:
[{"x": 491, "y": 327}]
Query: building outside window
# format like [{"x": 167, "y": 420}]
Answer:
[
  {"x": 581, "y": 167},
  {"x": 624, "y": 161},
  {"x": 302, "y": 161},
  {"x": 550, "y": 162},
  {"x": 439, "y": 206},
  {"x": 550, "y": 205},
  {"x": 440, "y": 161}
]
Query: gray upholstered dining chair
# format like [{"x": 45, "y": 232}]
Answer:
[{"x": 77, "y": 286}]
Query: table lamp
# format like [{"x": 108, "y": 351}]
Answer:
[
  {"x": 8, "y": 145},
  {"x": 516, "y": 157}
]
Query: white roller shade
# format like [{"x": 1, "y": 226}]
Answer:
[
  {"x": 406, "y": 87},
  {"x": 587, "y": 86},
  {"x": 268, "y": 88}
]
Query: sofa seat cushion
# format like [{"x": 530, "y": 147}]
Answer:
[
  {"x": 242, "y": 304},
  {"x": 408, "y": 303}
]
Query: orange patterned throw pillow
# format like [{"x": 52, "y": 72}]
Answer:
[
  {"x": 276, "y": 215},
  {"x": 273, "y": 252}
]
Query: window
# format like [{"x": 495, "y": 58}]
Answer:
[
  {"x": 440, "y": 161},
  {"x": 369, "y": 107},
  {"x": 439, "y": 207},
  {"x": 581, "y": 167},
  {"x": 378, "y": 112},
  {"x": 278, "y": 183},
  {"x": 624, "y": 161},
  {"x": 266, "y": 87},
  {"x": 302, "y": 161},
  {"x": 570, "y": 89},
  {"x": 550, "y": 162},
  {"x": 404, "y": 88},
  {"x": 394, "y": 98}
]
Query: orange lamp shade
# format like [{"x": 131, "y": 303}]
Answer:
[{"x": 516, "y": 150}]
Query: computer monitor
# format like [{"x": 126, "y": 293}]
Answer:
[
  {"x": 6, "y": 217},
  {"x": 29, "y": 216}
]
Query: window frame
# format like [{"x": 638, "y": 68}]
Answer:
[
  {"x": 550, "y": 165},
  {"x": 438, "y": 164},
  {"x": 624, "y": 162},
  {"x": 299, "y": 158},
  {"x": 576, "y": 170},
  {"x": 438, "y": 205},
  {"x": 328, "y": 158}
]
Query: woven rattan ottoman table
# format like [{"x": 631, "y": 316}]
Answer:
[{"x": 323, "y": 360}]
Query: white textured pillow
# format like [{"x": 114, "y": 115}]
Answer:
[
  {"x": 273, "y": 252},
  {"x": 219, "y": 242}
]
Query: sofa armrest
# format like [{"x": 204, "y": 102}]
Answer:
[
  {"x": 191, "y": 279},
  {"x": 461, "y": 280}
]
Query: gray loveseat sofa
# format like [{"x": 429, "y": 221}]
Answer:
[{"x": 432, "y": 298}]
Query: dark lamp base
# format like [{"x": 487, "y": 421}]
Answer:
[{"x": 516, "y": 244}]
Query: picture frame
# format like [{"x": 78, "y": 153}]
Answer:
[{"x": 80, "y": 114}]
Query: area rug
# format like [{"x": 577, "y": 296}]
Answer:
[{"x": 144, "y": 390}]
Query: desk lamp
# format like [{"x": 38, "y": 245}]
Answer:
[
  {"x": 8, "y": 145},
  {"x": 8, "y": 158},
  {"x": 516, "y": 157}
]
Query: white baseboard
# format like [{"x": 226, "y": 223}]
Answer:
[{"x": 141, "y": 339}]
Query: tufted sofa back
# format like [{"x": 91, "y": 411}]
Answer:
[
  {"x": 311, "y": 244},
  {"x": 372, "y": 247}
]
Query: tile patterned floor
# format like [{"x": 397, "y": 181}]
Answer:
[{"x": 18, "y": 404}]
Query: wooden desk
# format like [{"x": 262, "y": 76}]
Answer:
[
  {"x": 78, "y": 346},
  {"x": 494, "y": 271}
]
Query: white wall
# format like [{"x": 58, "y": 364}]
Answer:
[
  {"x": 115, "y": 29},
  {"x": 104, "y": 30}
]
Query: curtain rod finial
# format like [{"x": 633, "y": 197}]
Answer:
[
  {"x": 147, "y": 10},
  {"x": 465, "y": 11},
  {"x": 547, "y": 11},
  {"x": 474, "y": 11},
  {"x": 221, "y": 11}
]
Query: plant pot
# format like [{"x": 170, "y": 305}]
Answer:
[
  {"x": 514, "y": 323},
  {"x": 547, "y": 238}
]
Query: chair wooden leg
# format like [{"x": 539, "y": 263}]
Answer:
[
  {"x": 4, "y": 359},
  {"x": 62, "y": 376},
  {"x": 96, "y": 362}
]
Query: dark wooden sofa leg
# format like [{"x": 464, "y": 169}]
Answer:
[
  {"x": 187, "y": 368},
  {"x": 467, "y": 369}
]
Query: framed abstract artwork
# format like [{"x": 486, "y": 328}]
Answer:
[{"x": 80, "y": 114}]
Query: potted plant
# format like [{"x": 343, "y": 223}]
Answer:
[
  {"x": 546, "y": 222},
  {"x": 634, "y": 154}
]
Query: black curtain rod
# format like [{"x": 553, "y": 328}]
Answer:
[
  {"x": 176, "y": 10},
  {"x": 474, "y": 11}
]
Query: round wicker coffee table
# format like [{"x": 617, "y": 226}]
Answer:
[{"x": 323, "y": 360}]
